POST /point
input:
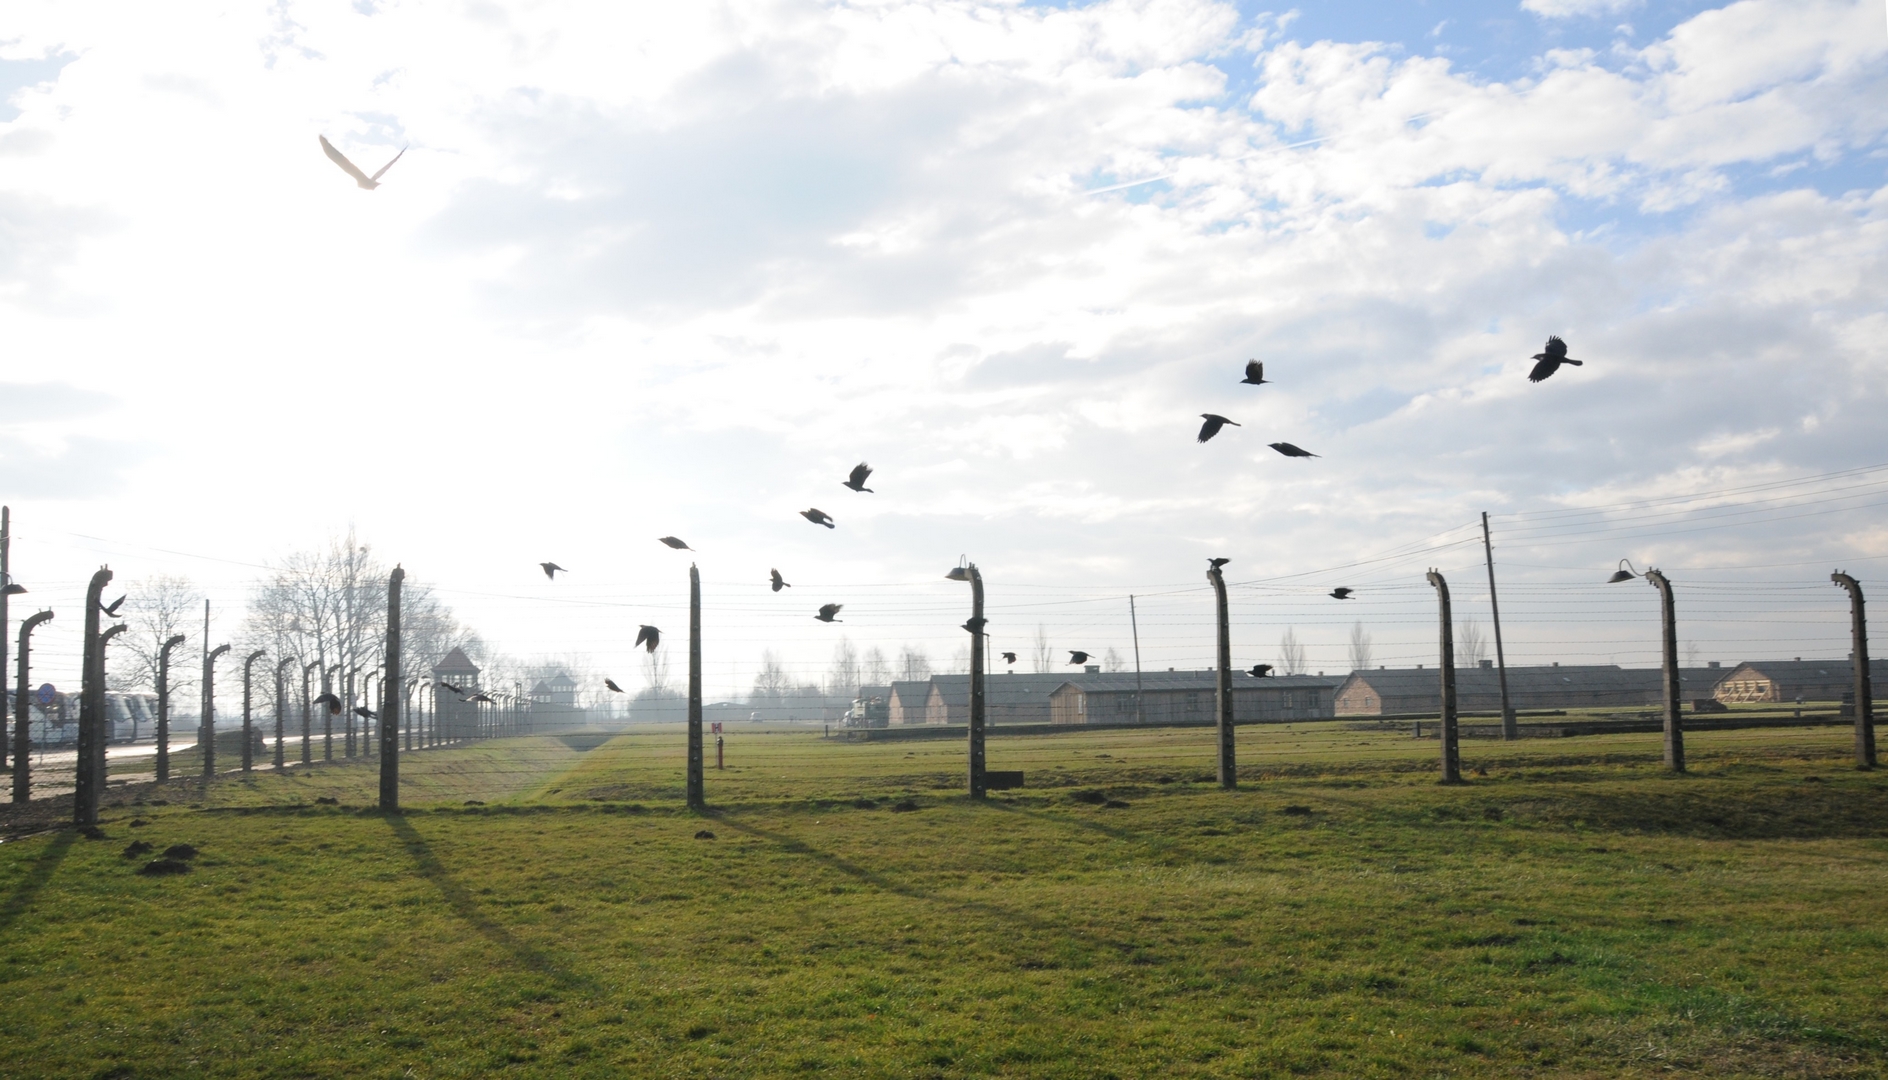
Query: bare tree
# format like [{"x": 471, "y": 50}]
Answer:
[
  {"x": 655, "y": 672},
  {"x": 960, "y": 660},
  {"x": 874, "y": 670},
  {"x": 771, "y": 683},
  {"x": 1471, "y": 648},
  {"x": 159, "y": 608},
  {"x": 1111, "y": 660},
  {"x": 1291, "y": 655},
  {"x": 914, "y": 664},
  {"x": 842, "y": 679},
  {"x": 1360, "y": 652},
  {"x": 1043, "y": 659}
]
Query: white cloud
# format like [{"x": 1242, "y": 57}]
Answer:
[{"x": 1570, "y": 9}]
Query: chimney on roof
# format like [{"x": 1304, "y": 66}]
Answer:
[
  {"x": 1556, "y": 663},
  {"x": 1487, "y": 663},
  {"x": 1710, "y": 663},
  {"x": 1419, "y": 667},
  {"x": 1091, "y": 669},
  {"x": 1799, "y": 659}
]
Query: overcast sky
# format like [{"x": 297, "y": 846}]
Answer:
[{"x": 675, "y": 268}]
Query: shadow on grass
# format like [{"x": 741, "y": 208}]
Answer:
[
  {"x": 35, "y": 880},
  {"x": 876, "y": 879},
  {"x": 459, "y": 898},
  {"x": 1701, "y": 809}
]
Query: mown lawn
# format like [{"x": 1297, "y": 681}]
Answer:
[{"x": 1571, "y": 912}]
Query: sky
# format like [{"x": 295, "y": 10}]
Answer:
[{"x": 651, "y": 269}]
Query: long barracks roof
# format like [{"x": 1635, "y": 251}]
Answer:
[
  {"x": 1118, "y": 681},
  {"x": 1537, "y": 680}
]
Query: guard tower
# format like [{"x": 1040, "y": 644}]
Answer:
[
  {"x": 554, "y": 704},
  {"x": 457, "y": 717}
]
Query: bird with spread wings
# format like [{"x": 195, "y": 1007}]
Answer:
[{"x": 364, "y": 181}]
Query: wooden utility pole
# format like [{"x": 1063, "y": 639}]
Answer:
[
  {"x": 1510, "y": 730},
  {"x": 1668, "y": 624},
  {"x": 696, "y": 797},
  {"x": 86, "y": 785},
  {"x": 23, "y": 713},
  {"x": 281, "y": 706},
  {"x": 1222, "y": 682},
  {"x": 1451, "y": 749},
  {"x": 249, "y": 728},
  {"x": 1134, "y": 621},
  {"x": 163, "y": 708},
  {"x": 207, "y": 730},
  {"x": 390, "y": 701},
  {"x": 1858, "y": 658}
]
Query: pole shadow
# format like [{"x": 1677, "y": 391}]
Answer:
[
  {"x": 460, "y": 900},
  {"x": 35, "y": 880}
]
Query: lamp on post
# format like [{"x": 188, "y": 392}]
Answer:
[
  {"x": 968, "y": 572},
  {"x": 1668, "y": 619}
]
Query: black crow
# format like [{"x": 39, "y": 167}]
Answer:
[
  {"x": 1009, "y": 657},
  {"x": 365, "y": 181},
  {"x": 1260, "y": 671},
  {"x": 1217, "y": 563},
  {"x": 818, "y": 517},
  {"x": 1342, "y": 592},
  {"x": 1255, "y": 373},
  {"x": 975, "y": 624},
  {"x": 780, "y": 582},
  {"x": 827, "y": 611},
  {"x": 1076, "y": 656},
  {"x": 482, "y": 699},
  {"x": 860, "y": 473},
  {"x": 675, "y": 542},
  {"x": 551, "y": 569},
  {"x": 650, "y": 635},
  {"x": 611, "y": 683},
  {"x": 1289, "y": 450},
  {"x": 1547, "y": 362},
  {"x": 333, "y": 703},
  {"x": 362, "y": 710},
  {"x": 454, "y": 689},
  {"x": 1214, "y": 422},
  {"x": 112, "y": 608}
]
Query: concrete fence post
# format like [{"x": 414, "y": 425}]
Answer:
[
  {"x": 1864, "y": 688},
  {"x": 390, "y": 701},
  {"x": 1451, "y": 749},
  {"x": 1668, "y": 625},
  {"x": 23, "y": 712},
  {"x": 697, "y": 797},
  {"x": 163, "y": 707},
  {"x": 86, "y": 784},
  {"x": 1222, "y": 682}
]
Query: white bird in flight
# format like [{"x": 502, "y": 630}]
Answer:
[{"x": 366, "y": 182}]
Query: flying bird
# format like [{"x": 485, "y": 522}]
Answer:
[
  {"x": 860, "y": 473},
  {"x": 650, "y": 635},
  {"x": 1009, "y": 658},
  {"x": 1214, "y": 422},
  {"x": 975, "y": 624},
  {"x": 1547, "y": 362},
  {"x": 818, "y": 517},
  {"x": 333, "y": 703},
  {"x": 780, "y": 582},
  {"x": 1342, "y": 592},
  {"x": 827, "y": 611},
  {"x": 1260, "y": 671},
  {"x": 482, "y": 699},
  {"x": 454, "y": 689},
  {"x": 1215, "y": 564},
  {"x": 551, "y": 569},
  {"x": 611, "y": 683},
  {"x": 366, "y": 182},
  {"x": 112, "y": 608},
  {"x": 362, "y": 710},
  {"x": 1076, "y": 656},
  {"x": 1290, "y": 450},
  {"x": 1255, "y": 373},
  {"x": 675, "y": 542}
]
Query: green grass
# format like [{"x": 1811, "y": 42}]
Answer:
[{"x": 1575, "y": 911}]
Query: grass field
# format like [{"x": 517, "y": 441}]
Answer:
[{"x": 1571, "y": 911}]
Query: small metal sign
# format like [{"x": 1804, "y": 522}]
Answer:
[
  {"x": 715, "y": 729},
  {"x": 46, "y": 694}
]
